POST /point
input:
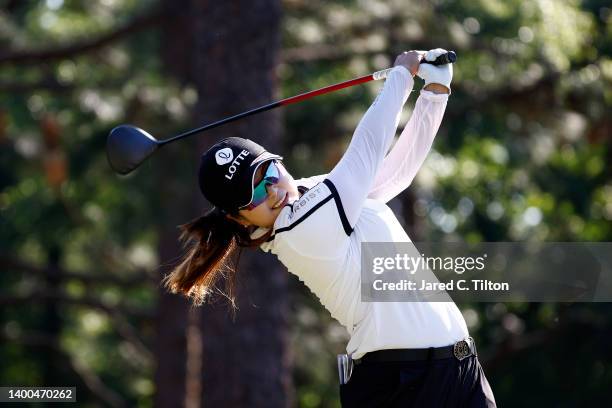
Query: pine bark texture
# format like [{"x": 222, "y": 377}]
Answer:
[
  {"x": 246, "y": 362},
  {"x": 229, "y": 51}
]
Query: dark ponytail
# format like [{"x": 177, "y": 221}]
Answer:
[{"x": 214, "y": 242}]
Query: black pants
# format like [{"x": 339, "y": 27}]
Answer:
[{"x": 436, "y": 383}]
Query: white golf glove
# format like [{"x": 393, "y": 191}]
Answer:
[{"x": 441, "y": 74}]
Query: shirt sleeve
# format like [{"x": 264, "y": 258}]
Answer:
[
  {"x": 405, "y": 159},
  {"x": 352, "y": 178}
]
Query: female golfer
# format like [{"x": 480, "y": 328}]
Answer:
[{"x": 404, "y": 353}]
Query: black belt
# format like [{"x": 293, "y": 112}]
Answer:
[{"x": 459, "y": 350}]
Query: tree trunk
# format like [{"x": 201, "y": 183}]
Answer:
[
  {"x": 171, "y": 321},
  {"x": 229, "y": 51},
  {"x": 246, "y": 361},
  {"x": 52, "y": 322}
]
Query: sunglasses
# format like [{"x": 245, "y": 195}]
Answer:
[{"x": 260, "y": 193}]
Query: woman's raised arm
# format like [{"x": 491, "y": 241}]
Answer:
[
  {"x": 354, "y": 175},
  {"x": 409, "y": 153}
]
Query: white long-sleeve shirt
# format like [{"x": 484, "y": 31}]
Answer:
[{"x": 318, "y": 237}]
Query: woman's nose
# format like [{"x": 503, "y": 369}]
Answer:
[{"x": 271, "y": 189}]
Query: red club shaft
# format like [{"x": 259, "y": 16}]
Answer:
[
  {"x": 286, "y": 101},
  {"x": 327, "y": 89}
]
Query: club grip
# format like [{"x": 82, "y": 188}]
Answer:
[{"x": 447, "y": 58}]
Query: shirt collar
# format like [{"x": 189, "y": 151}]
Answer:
[{"x": 260, "y": 231}]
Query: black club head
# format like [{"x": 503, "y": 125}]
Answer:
[{"x": 128, "y": 146}]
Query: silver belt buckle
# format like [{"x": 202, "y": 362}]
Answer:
[
  {"x": 345, "y": 367},
  {"x": 461, "y": 349}
]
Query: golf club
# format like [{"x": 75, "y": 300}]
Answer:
[{"x": 127, "y": 146}]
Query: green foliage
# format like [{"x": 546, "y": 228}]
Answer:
[{"x": 523, "y": 154}]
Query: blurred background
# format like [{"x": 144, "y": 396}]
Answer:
[{"x": 523, "y": 154}]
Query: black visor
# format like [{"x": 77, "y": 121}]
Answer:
[{"x": 227, "y": 170}]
